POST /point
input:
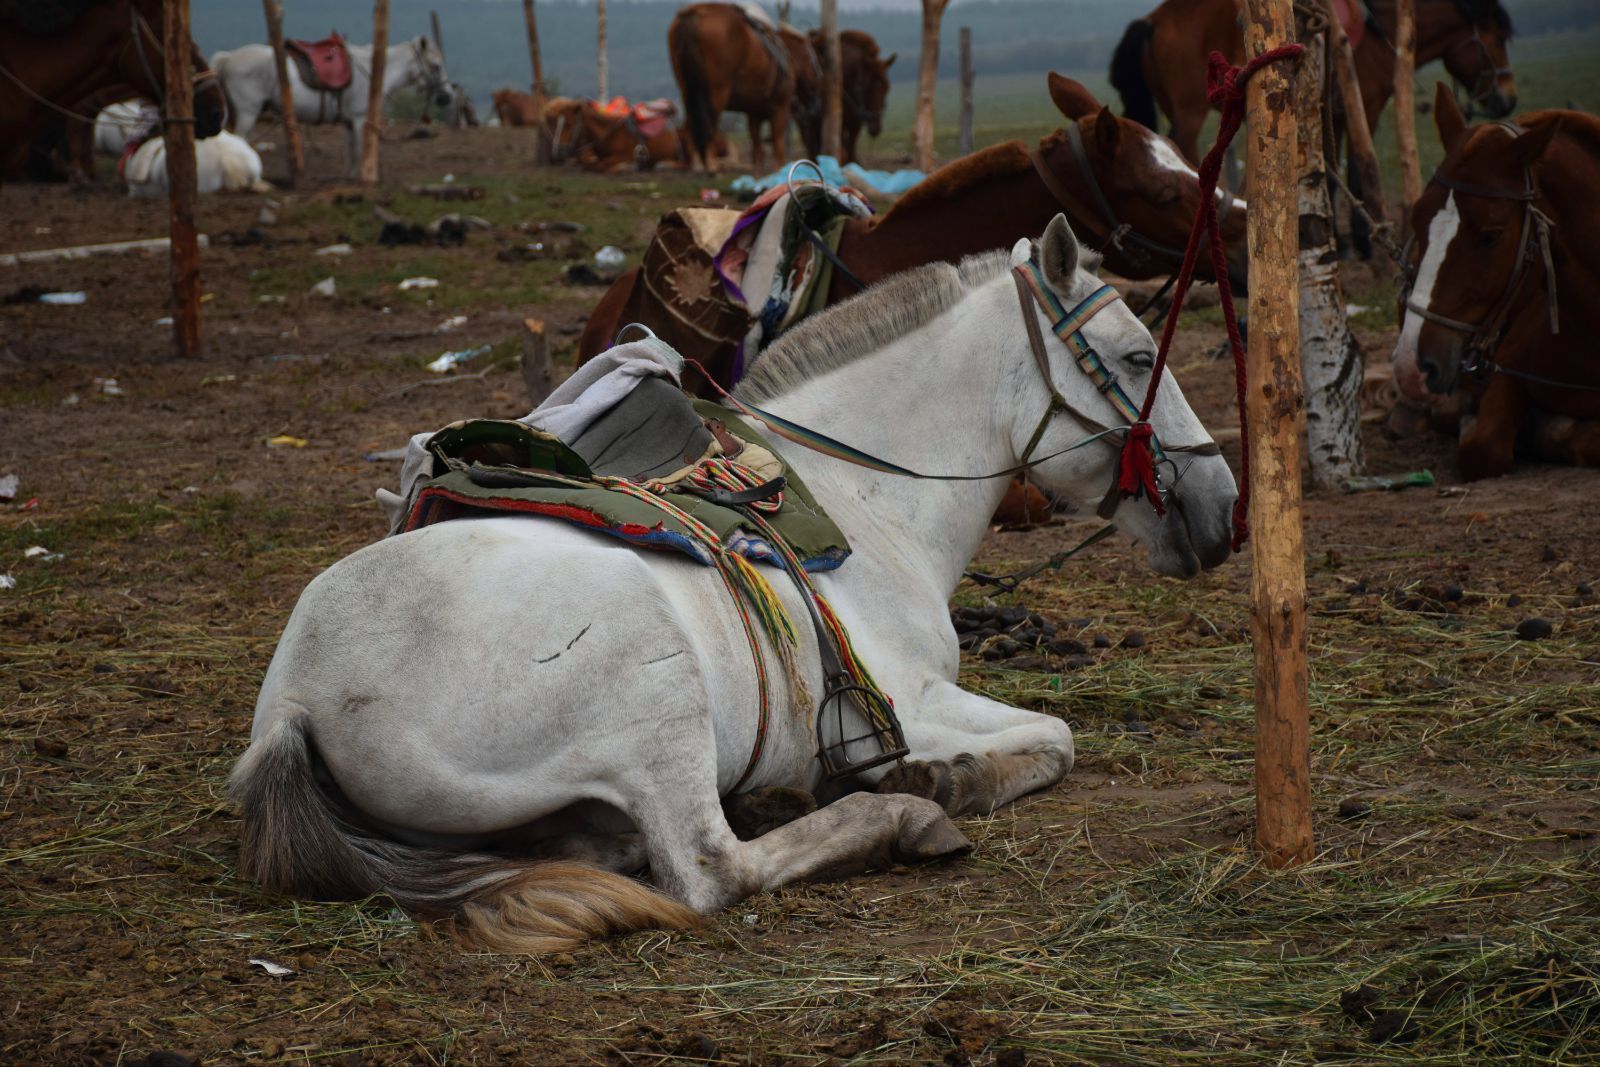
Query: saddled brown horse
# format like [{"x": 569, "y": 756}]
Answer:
[
  {"x": 55, "y": 55},
  {"x": 1161, "y": 60},
  {"x": 1504, "y": 295},
  {"x": 723, "y": 62},
  {"x": 866, "y": 89},
  {"x": 1124, "y": 189}
]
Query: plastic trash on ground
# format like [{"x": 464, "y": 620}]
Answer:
[
  {"x": 9, "y": 485},
  {"x": 276, "y": 970},
  {"x": 42, "y": 554},
  {"x": 343, "y": 248},
  {"x": 7, "y": 582},
  {"x": 454, "y": 322},
  {"x": 420, "y": 283},
  {"x": 888, "y": 183},
  {"x": 108, "y": 387},
  {"x": 1366, "y": 483},
  {"x": 609, "y": 258},
  {"x": 451, "y": 360},
  {"x": 284, "y": 440},
  {"x": 64, "y": 298},
  {"x": 326, "y": 287}
]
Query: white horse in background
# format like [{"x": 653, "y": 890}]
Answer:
[
  {"x": 250, "y": 82},
  {"x": 498, "y": 719},
  {"x": 223, "y": 164}
]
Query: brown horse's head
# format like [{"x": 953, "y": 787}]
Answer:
[
  {"x": 1150, "y": 187},
  {"x": 1466, "y": 248},
  {"x": 563, "y": 116},
  {"x": 1476, "y": 36},
  {"x": 866, "y": 78}
]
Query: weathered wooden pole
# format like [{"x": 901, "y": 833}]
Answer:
[
  {"x": 964, "y": 134},
  {"x": 1363, "y": 155},
  {"x": 600, "y": 49},
  {"x": 178, "y": 132},
  {"x": 372, "y": 131},
  {"x": 438, "y": 38},
  {"x": 1330, "y": 358},
  {"x": 293, "y": 149},
  {"x": 542, "y": 151},
  {"x": 1405, "y": 106},
  {"x": 927, "y": 82},
  {"x": 832, "y": 82},
  {"x": 1274, "y": 415}
]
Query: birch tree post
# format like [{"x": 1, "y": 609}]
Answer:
[
  {"x": 600, "y": 48},
  {"x": 1274, "y": 412},
  {"x": 542, "y": 153},
  {"x": 294, "y": 149},
  {"x": 1405, "y": 105},
  {"x": 927, "y": 82},
  {"x": 178, "y": 131},
  {"x": 1330, "y": 357},
  {"x": 964, "y": 127},
  {"x": 832, "y": 82},
  {"x": 372, "y": 130}
]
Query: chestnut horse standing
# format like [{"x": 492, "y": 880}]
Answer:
[
  {"x": 724, "y": 62},
  {"x": 1504, "y": 300},
  {"x": 1162, "y": 58},
  {"x": 54, "y": 56},
  {"x": 866, "y": 89},
  {"x": 1127, "y": 176}
]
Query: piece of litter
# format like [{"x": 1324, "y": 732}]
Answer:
[
  {"x": 165, "y": 320},
  {"x": 1352, "y": 310},
  {"x": 32, "y": 503},
  {"x": 343, "y": 248},
  {"x": 108, "y": 386},
  {"x": 448, "y": 178},
  {"x": 218, "y": 379},
  {"x": 41, "y": 553},
  {"x": 63, "y": 298},
  {"x": 451, "y": 360},
  {"x": 386, "y": 454},
  {"x": 419, "y": 283},
  {"x": 69, "y": 400},
  {"x": 276, "y": 970},
  {"x": 326, "y": 287},
  {"x": 9, "y": 486},
  {"x": 7, "y": 582},
  {"x": 1366, "y": 482},
  {"x": 191, "y": 489},
  {"x": 1453, "y": 490},
  {"x": 272, "y": 298},
  {"x": 284, "y": 440},
  {"x": 609, "y": 258},
  {"x": 454, "y": 322}
]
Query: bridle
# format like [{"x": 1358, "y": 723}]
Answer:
[
  {"x": 1488, "y": 75},
  {"x": 1533, "y": 250}
]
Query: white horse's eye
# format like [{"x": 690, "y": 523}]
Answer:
[{"x": 1141, "y": 360}]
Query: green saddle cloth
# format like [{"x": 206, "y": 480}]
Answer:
[{"x": 488, "y": 466}]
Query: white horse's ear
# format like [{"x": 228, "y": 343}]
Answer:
[
  {"x": 1058, "y": 255},
  {"x": 1021, "y": 251}
]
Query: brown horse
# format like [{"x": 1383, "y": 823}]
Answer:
[
  {"x": 52, "y": 56},
  {"x": 866, "y": 88},
  {"x": 1162, "y": 58},
  {"x": 1504, "y": 300},
  {"x": 1124, "y": 189},
  {"x": 515, "y": 108},
  {"x": 724, "y": 62}
]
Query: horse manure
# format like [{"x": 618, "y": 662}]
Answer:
[
  {"x": 1001, "y": 649},
  {"x": 163, "y": 1059},
  {"x": 1548, "y": 555},
  {"x": 401, "y": 233},
  {"x": 49, "y": 747},
  {"x": 1513, "y": 601},
  {"x": 1031, "y": 663},
  {"x": 969, "y": 641},
  {"x": 1354, "y": 808},
  {"x": 1077, "y": 663},
  {"x": 1133, "y": 639},
  {"x": 1357, "y": 1003},
  {"x": 1067, "y": 646},
  {"x": 1011, "y": 616},
  {"x": 1535, "y": 629},
  {"x": 1102, "y": 641},
  {"x": 699, "y": 1047},
  {"x": 1453, "y": 593},
  {"x": 1026, "y": 635},
  {"x": 1395, "y": 1025},
  {"x": 1036, "y": 619}
]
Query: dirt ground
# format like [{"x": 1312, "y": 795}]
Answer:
[{"x": 1452, "y": 914}]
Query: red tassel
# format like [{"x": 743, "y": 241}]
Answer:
[{"x": 1137, "y": 471}]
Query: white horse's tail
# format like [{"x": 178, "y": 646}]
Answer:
[{"x": 295, "y": 840}]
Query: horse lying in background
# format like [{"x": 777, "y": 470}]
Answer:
[
  {"x": 511, "y": 785},
  {"x": 1503, "y": 302},
  {"x": 223, "y": 164},
  {"x": 515, "y": 108}
]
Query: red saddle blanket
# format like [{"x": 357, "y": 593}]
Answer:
[
  {"x": 649, "y": 116},
  {"x": 324, "y": 64}
]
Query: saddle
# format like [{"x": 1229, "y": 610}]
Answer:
[
  {"x": 324, "y": 65},
  {"x": 649, "y": 117}
]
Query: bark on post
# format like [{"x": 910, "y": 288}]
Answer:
[
  {"x": 372, "y": 131},
  {"x": 293, "y": 148},
  {"x": 832, "y": 83},
  {"x": 1363, "y": 155},
  {"x": 1405, "y": 106},
  {"x": 1274, "y": 413},
  {"x": 927, "y": 81},
  {"x": 1330, "y": 357},
  {"x": 178, "y": 132},
  {"x": 438, "y": 38},
  {"x": 964, "y": 136},
  {"x": 542, "y": 153},
  {"x": 600, "y": 47}
]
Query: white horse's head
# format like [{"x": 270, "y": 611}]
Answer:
[
  {"x": 427, "y": 67},
  {"x": 1198, "y": 488}
]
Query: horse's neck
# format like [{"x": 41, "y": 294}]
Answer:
[
  {"x": 63, "y": 70},
  {"x": 925, "y": 403},
  {"x": 1568, "y": 178},
  {"x": 977, "y": 218}
]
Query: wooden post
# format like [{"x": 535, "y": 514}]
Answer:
[
  {"x": 438, "y": 38},
  {"x": 372, "y": 131},
  {"x": 832, "y": 83},
  {"x": 293, "y": 149},
  {"x": 178, "y": 132},
  {"x": 927, "y": 82},
  {"x": 964, "y": 137},
  {"x": 1330, "y": 357},
  {"x": 1405, "y": 106},
  {"x": 542, "y": 151},
  {"x": 1362, "y": 153},
  {"x": 1274, "y": 416},
  {"x": 600, "y": 48},
  {"x": 537, "y": 373}
]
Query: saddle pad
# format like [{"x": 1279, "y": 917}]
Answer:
[
  {"x": 650, "y": 433},
  {"x": 511, "y": 468},
  {"x": 679, "y": 272},
  {"x": 325, "y": 64}
]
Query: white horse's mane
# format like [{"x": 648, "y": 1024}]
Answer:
[{"x": 842, "y": 334}]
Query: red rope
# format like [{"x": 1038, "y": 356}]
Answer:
[{"x": 1225, "y": 89}]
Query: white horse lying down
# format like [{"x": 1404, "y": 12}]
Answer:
[
  {"x": 250, "y": 82},
  {"x": 496, "y": 719},
  {"x": 224, "y": 163},
  {"x": 121, "y": 122}
]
